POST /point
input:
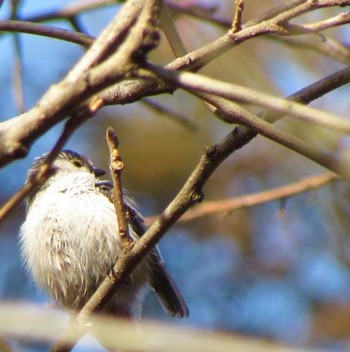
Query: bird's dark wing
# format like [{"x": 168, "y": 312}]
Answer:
[{"x": 168, "y": 294}]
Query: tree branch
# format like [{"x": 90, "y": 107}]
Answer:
[
  {"x": 198, "y": 83},
  {"x": 170, "y": 31},
  {"x": 46, "y": 31},
  {"x": 254, "y": 199},
  {"x": 237, "y": 19},
  {"x": 255, "y": 125},
  {"x": 81, "y": 83},
  {"x": 44, "y": 171},
  {"x": 179, "y": 118},
  {"x": 116, "y": 167},
  {"x": 43, "y": 324},
  {"x": 338, "y": 20},
  {"x": 328, "y": 46},
  {"x": 18, "y": 133}
]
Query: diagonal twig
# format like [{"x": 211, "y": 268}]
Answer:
[
  {"x": 179, "y": 118},
  {"x": 44, "y": 172},
  {"x": 254, "y": 199}
]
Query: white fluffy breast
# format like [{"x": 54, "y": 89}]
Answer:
[{"x": 69, "y": 239}]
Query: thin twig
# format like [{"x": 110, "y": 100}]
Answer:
[
  {"x": 324, "y": 45},
  {"x": 46, "y": 31},
  {"x": 116, "y": 167},
  {"x": 338, "y": 20},
  {"x": 76, "y": 24},
  {"x": 44, "y": 172},
  {"x": 237, "y": 19},
  {"x": 174, "y": 115},
  {"x": 254, "y": 199}
]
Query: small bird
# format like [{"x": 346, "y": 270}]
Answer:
[{"x": 69, "y": 241}]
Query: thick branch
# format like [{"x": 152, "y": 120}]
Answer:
[{"x": 42, "y": 325}]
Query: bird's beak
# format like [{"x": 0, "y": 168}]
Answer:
[{"x": 98, "y": 172}]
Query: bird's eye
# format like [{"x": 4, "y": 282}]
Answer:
[{"x": 77, "y": 163}]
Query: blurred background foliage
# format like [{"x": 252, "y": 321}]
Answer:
[{"x": 279, "y": 270}]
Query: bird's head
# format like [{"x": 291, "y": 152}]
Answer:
[{"x": 67, "y": 161}]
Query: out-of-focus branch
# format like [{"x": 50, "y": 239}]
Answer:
[
  {"x": 227, "y": 110},
  {"x": 198, "y": 83},
  {"x": 35, "y": 323},
  {"x": 254, "y": 199},
  {"x": 174, "y": 115},
  {"x": 321, "y": 44},
  {"x": 17, "y": 80},
  {"x": 170, "y": 31}
]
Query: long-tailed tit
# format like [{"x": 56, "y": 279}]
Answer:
[{"x": 70, "y": 241}]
